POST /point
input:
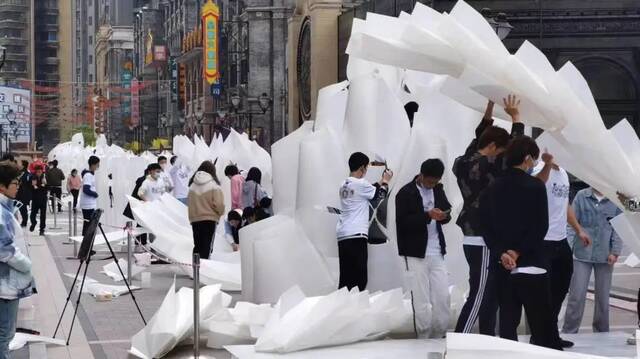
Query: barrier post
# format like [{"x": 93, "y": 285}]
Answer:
[
  {"x": 196, "y": 305},
  {"x": 75, "y": 233},
  {"x": 129, "y": 250},
  {"x": 69, "y": 206},
  {"x": 55, "y": 212}
]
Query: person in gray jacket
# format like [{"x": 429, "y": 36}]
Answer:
[
  {"x": 16, "y": 280},
  {"x": 593, "y": 212}
]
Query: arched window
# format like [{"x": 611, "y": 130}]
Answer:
[{"x": 613, "y": 87}]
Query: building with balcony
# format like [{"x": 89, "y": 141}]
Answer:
[
  {"x": 53, "y": 110},
  {"x": 15, "y": 35}
]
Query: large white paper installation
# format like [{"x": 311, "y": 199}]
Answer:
[
  {"x": 342, "y": 317},
  {"x": 375, "y": 121},
  {"x": 285, "y": 154},
  {"x": 276, "y": 255},
  {"x": 173, "y": 321},
  {"x": 167, "y": 220},
  {"x": 557, "y": 101}
]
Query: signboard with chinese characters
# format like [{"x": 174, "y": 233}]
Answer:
[
  {"x": 210, "y": 19},
  {"x": 15, "y": 113},
  {"x": 148, "y": 57},
  {"x": 173, "y": 70},
  {"x": 135, "y": 103}
]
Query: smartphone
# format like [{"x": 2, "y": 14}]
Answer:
[{"x": 447, "y": 211}]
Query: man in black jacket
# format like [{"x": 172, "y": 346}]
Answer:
[
  {"x": 481, "y": 164},
  {"x": 39, "y": 199},
  {"x": 422, "y": 208},
  {"x": 24, "y": 193},
  {"x": 515, "y": 220},
  {"x": 54, "y": 184}
]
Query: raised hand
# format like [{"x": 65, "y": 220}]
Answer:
[{"x": 511, "y": 105}]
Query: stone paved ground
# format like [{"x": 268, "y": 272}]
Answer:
[{"x": 108, "y": 326}]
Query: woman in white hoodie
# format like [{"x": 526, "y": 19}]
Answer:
[{"x": 206, "y": 206}]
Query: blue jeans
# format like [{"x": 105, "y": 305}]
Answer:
[{"x": 8, "y": 319}]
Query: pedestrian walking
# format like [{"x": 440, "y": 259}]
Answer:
[{"x": 206, "y": 207}]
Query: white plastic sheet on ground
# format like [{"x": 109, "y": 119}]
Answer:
[
  {"x": 21, "y": 339},
  {"x": 112, "y": 271},
  {"x": 239, "y": 325},
  {"x": 475, "y": 346},
  {"x": 95, "y": 288},
  {"x": 173, "y": 321}
]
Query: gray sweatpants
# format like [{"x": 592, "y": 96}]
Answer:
[{"x": 578, "y": 295}]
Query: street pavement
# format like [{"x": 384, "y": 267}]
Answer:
[{"x": 107, "y": 327}]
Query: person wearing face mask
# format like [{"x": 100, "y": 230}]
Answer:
[
  {"x": 515, "y": 219},
  {"x": 165, "y": 177},
  {"x": 422, "y": 208},
  {"x": 559, "y": 258},
  {"x": 16, "y": 280},
  {"x": 594, "y": 211},
  {"x": 153, "y": 187},
  {"x": 353, "y": 221},
  {"x": 39, "y": 199},
  {"x": 480, "y": 165}
]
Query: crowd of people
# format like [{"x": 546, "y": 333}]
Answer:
[{"x": 526, "y": 246}]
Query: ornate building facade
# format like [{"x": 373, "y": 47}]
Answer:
[{"x": 602, "y": 39}]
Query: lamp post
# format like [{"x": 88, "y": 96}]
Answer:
[
  {"x": 498, "y": 22},
  {"x": 13, "y": 126},
  {"x": 199, "y": 113},
  {"x": 264, "y": 101}
]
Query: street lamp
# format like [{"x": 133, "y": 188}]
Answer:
[
  {"x": 264, "y": 101},
  {"x": 498, "y": 22},
  {"x": 199, "y": 113},
  {"x": 11, "y": 118}
]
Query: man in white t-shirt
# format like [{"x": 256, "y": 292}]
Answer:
[
  {"x": 558, "y": 252},
  {"x": 165, "y": 178},
  {"x": 422, "y": 208},
  {"x": 353, "y": 223},
  {"x": 153, "y": 187},
  {"x": 89, "y": 197},
  {"x": 180, "y": 178}
]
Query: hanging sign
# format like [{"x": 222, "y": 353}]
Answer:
[{"x": 210, "y": 19}]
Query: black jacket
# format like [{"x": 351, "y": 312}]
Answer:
[
  {"x": 515, "y": 217},
  {"x": 127, "y": 210},
  {"x": 474, "y": 173},
  {"x": 411, "y": 220},
  {"x": 25, "y": 191}
]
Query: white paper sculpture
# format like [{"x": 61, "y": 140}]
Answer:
[
  {"x": 239, "y": 325},
  {"x": 167, "y": 220},
  {"x": 173, "y": 321},
  {"x": 342, "y": 317}
]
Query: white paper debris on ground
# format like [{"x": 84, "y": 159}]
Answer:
[
  {"x": 632, "y": 261},
  {"x": 173, "y": 321},
  {"x": 342, "y": 317},
  {"x": 112, "y": 271},
  {"x": 21, "y": 339},
  {"x": 476, "y": 346},
  {"x": 100, "y": 290}
]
